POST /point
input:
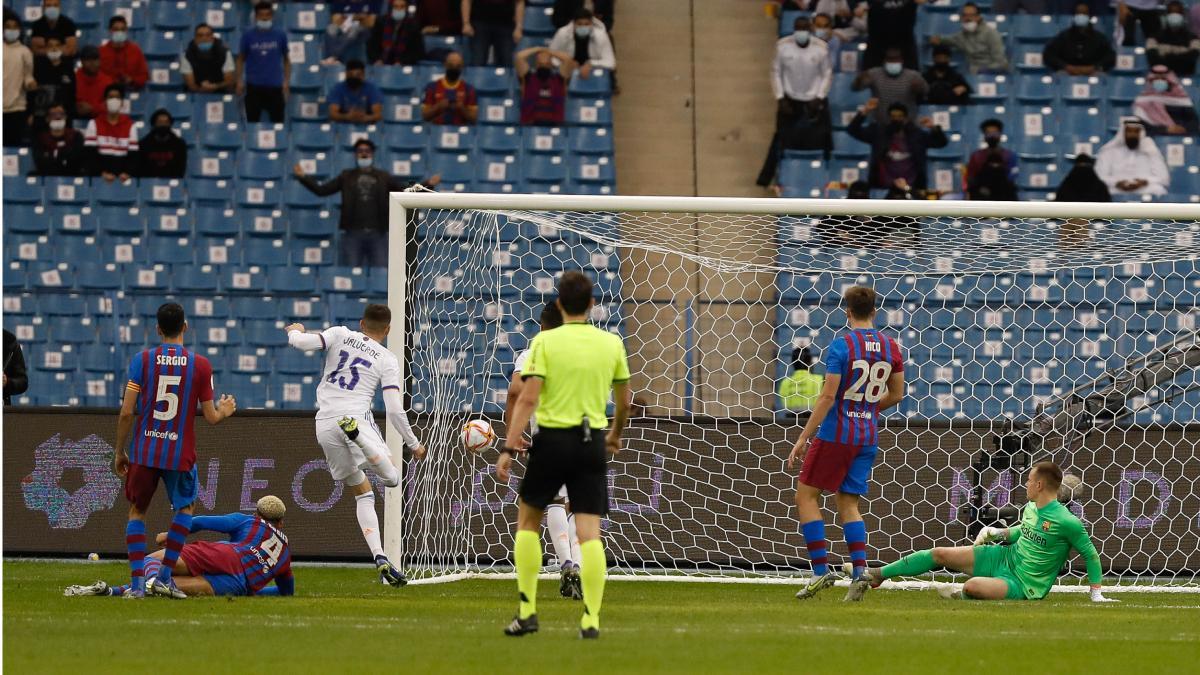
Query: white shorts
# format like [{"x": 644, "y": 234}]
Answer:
[{"x": 345, "y": 458}]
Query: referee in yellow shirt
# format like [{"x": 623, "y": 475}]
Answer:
[{"x": 567, "y": 378}]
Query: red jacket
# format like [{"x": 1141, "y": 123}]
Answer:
[
  {"x": 128, "y": 61},
  {"x": 90, "y": 90}
]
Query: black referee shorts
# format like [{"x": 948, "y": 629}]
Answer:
[{"x": 560, "y": 457}]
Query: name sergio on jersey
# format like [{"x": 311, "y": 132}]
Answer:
[
  {"x": 164, "y": 360},
  {"x": 362, "y": 347}
]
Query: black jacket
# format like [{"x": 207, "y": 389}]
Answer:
[
  {"x": 1082, "y": 185},
  {"x": 878, "y": 136},
  {"x": 60, "y": 156},
  {"x": 14, "y": 368},
  {"x": 942, "y": 82},
  {"x": 1075, "y": 47},
  {"x": 162, "y": 157},
  {"x": 413, "y": 50},
  {"x": 344, "y": 183}
]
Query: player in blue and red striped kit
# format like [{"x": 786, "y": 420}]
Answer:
[
  {"x": 864, "y": 375},
  {"x": 166, "y": 385},
  {"x": 255, "y": 554}
]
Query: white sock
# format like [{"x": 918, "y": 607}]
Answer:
[
  {"x": 560, "y": 535},
  {"x": 369, "y": 522},
  {"x": 575, "y": 554}
]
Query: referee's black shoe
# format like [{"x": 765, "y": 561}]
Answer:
[
  {"x": 520, "y": 626},
  {"x": 589, "y": 633}
]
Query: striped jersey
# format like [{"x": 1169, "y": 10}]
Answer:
[
  {"x": 264, "y": 555},
  {"x": 111, "y": 139},
  {"x": 865, "y": 359},
  {"x": 171, "y": 381}
]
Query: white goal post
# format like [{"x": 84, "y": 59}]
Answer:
[{"x": 1031, "y": 330}]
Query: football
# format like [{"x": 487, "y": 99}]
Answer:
[{"x": 477, "y": 435}]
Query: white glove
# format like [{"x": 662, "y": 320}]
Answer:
[
  {"x": 990, "y": 535},
  {"x": 1097, "y": 596}
]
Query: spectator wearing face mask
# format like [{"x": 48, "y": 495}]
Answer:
[
  {"x": 111, "y": 139},
  {"x": 345, "y": 39},
  {"x": 1132, "y": 12},
  {"x": 1164, "y": 106},
  {"x": 450, "y": 100},
  {"x": 18, "y": 79},
  {"x": 90, "y": 84},
  {"x": 55, "y": 75},
  {"x": 801, "y": 76},
  {"x": 1080, "y": 49},
  {"x": 364, "y": 210},
  {"x": 822, "y": 29},
  {"x": 396, "y": 38},
  {"x": 59, "y": 151},
  {"x": 544, "y": 87},
  {"x": 495, "y": 27},
  {"x": 53, "y": 23},
  {"x": 1131, "y": 164},
  {"x": 355, "y": 100},
  {"x": 892, "y": 83},
  {"x": 992, "y": 181},
  {"x": 993, "y": 136},
  {"x": 586, "y": 40},
  {"x": 899, "y": 148},
  {"x": 1175, "y": 46},
  {"x": 947, "y": 86},
  {"x": 207, "y": 64},
  {"x": 890, "y": 25},
  {"x": 161, "y": 152},
  {"x": 121, "y": 58},
  {"x": 263, "y": 67},
  {"x": 1082, "y": 184},
  {"x": 978, "y": 40}
]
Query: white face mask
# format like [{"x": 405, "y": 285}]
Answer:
[
  {"x": 399, "y": 14},
  {"x": 970, "y": 26},
  {"x": 51, "y": 13},
  {"x": 365, "y": 162},
  {"x": 892, "y": 68},
  {"x": 264, "y": 24},
  {"x": 113, "y": 105},
  {"x": 58, "y": 125},
  {"x": 54, "y": 55},
  {"x": 1174, "y": 20},
  {"x": 583, "y": 31},
  {"x": 119, "y": 37},
  {"x": 801, "y": 37},
  {"x": 12, "y": 34},
  {"x": 821, "y": 33}
]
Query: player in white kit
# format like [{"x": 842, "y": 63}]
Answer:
[
  {"x": 559, "y": 520},
  {"x": 357, "y": 364}
]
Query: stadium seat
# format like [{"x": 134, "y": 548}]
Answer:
[
  {"x": 22, "y": 190},
  {"x": 114, "y": 193},
  {"x": 297, "y": 362},
  {"x": 261, "y": 166},
  {"x": 164, "y": 78},
  {"x": 198, "y": 279},
  {"x": 218, "y": 116},
  {"x": 538, "y": 22},
  {"x": 342, "y": 280},
  {"x": 544, "y": 139},
  {"x": 302, "y": 309},
  {"x": 1033, "y": 28},
  {"x": 451, "y": 139},
  {"x": 598, "y": 85},
  {"x": 161, "y": 192},
  {"x": 17, "y": 162},
  {"x": 216, "y": 222},
  {"x": 545, "y": 168},
  {"x": 98, "y": 276},
  {"x": 398, "y": 80},
  {"x": 168, "y": 250},
  {"x": 408, "y": 137},
  {"x": 242, "y": 280},
  {"x": 292, "y": 279},
  {"x": 592, "y": 170},
  {"x": 306, "y": 108},
  {"x": 1131, "y": 61},
  {"x": 221, "y": 136},
  {"x": 498, "y": 168},
  {"x": 455, "y": 167},
  {"x": 312, "y": 253},
  {"x": 257, "y": 194},
  {"x": 263, "y": 333},
  {"x": 401, "y": 109},
  {"x": 72, "y": 220},
  {"x": 1036, "y": 89},
  {"x": 498, "y": 110},
  {"x": 263, "y": 252},
  {"x": 991, "y": 89},
  {"x": 299, "y": 199},
  {"x": 308, "y": 19},
  {"x": 589, "y": 112}
]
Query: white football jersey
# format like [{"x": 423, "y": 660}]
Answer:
[
  {"x": 355, "y": 368},
  {"x": 518, "y": 364}
]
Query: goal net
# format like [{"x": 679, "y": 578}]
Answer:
[{"x": 1031, "y": 331}]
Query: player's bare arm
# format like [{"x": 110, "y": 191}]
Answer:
[
  {"x": 224, "y": 409},
  {"x": 515, "y": 386},
  {"x": 124, "y": 429},
  {"x": 526, "y": 404},
  {"x": 895, "y": 391},
  {"x": 820, "y": 409}
]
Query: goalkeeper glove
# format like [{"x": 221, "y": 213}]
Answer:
[
  {"x": 989, "y": 535},
  {"x": 1097, "y": 596}
]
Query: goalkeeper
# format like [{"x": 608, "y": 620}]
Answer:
[{"x": 1027, "y": 568}]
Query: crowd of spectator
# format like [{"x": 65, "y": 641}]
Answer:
[{"x": 1131, "y": 163}]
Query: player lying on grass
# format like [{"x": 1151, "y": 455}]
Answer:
[
  {"x": 255, "y": 554},
  {"x": 560, "y": 522},
  {"x": 1025, "y": 570},
  {"x": 357, "y": 364}
]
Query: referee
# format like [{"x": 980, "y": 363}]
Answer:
[{"x": 567, "y": 378}]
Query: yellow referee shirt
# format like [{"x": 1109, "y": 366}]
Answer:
[{"x": 578, "y": 364}]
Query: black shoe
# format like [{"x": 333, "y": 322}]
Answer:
[
  {"x": 589, "y": 633},
  {"x": 576, "y": 585},
  {"x": 520, "y": 626},
  {"x": 388, "y": 572}
]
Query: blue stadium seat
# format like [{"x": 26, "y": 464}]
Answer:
[
  {"x": 545, "y": 168},
  {"x": 22, "y": 190},
  {"x": 1034, "y": 29},
  {"x": 592, "y": 170},
  {"x": 308, "y": 19},
  {"x": 544, "y": 139},
  {"x": 266, "y": 137},
  {"x": 221, "y": 136},
  {"x": 219, "y": 116},
  {"x": 16, "y": 162},
  {"x": 312, "y": 253},
  {"x": 498, "y": 110},
  {"x": 991, "y": 88},
  {"x": 254, "y": 307},
  {"x": 307, "y": 80},
  {"x": 1036, "y": 89},
  {"x": 264, "y": 252},
  {"x": 408, "y": 137},
  {"x": 1083, "y": 121},
  {"x": 161, "y": 192},
  {"x": 72, "y": 220},
  {"x": 300, "y": 199},
  {"x": 59, "y": 304},
  {"x": 25, "y": 219},
  {"x": 538, "y": 22},
  {"x": 342, "y": 280},
  {"x": 198, "y": 279},
  {"x": 492, "y": 81},
  {"x": 397, "y": 80},
  {"x": 62, "y": 190},
  {"x": 98, "y": 276},
  {"x": 1081, "y": 90},
  {"x": 263, "y": 333},
  {"x": 598, "y": 85},
  {"x": 308, "y": 108},
  {"x": 263, "y": 166},
  {"x": 1131, "y": 61},
  {"x": 164, "y": 45},
  {"x": 167, "y": 15},
  {"x": 297, "y": 362},
  {"x": 304, "y": 309},
  {"x": 168, "y": 250},
  {"x": 455, "y": 167},
  {"x": 401, "y": 109},
  {"x": 71, "y": 330},
  {"x": 178, "y": 104},
  {"x": 496, "y": 167},
  {"x": 291, "y": 280},
  {"x": 452, "y": 139},
  {"x": 210, "y": 191},
  {"x": 115, "y": 193},
  {"x": 216, "y": 222},
  {"x": 212, "y": 164},
  {"x": 591, "y": 141},
  {"x": 148, "y": 277},
  {"x": 256, "y": 194},
  {"x": 100, "y": 358},
  {"x": 158, "y": 219},
  {"x": 164, "y": 78},
  {"x": 589, "y": 112},
  {"x": 242, "y": 280}
]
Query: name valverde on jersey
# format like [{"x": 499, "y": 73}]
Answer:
[
  {"x": 171, "y": 382},
  {"x": 355, "y": 366},
  {"x": 865, "y": 359}
]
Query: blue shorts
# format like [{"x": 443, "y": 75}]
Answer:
[
  {"x": 142, "y": 481},
  {"x": 837, "y": 467},
  {"x": 227, "y": 584}
]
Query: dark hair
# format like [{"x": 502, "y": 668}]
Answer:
[
  {"x": 377, "y": 316},
  {"x": 574, "y": 292},
  {"x": 259, "y": 6},
  {"x": 202, "y": 25},
  {"x": 822, "y": 14},
  {"x": 1050, "y": 474},
  {"x": 991, "y": 122},
  {"x": 802, "y": 358},
  {"x": 117, "y": 18},
  {"x": 941, "y": 50},
  {"x": 355, "y": 64},
  {"x": 551, "y": 317},
  {"x": 898, "y": 106},
  {"x": 971, "y": 4},
  {"x": 1175, "y": 3},
  {"x": 114, "y": 87},
  {"x": 162, "y": 111},
  {"x": 893, "y": 50},
  {"x": 58, "y": 38},
  {"x": 364, "y": 141},
  {"x": 1084, "y": 159},
  {"x": 860, "y": 301},
  {"x": 859, "y": 189},
  {"x": 171, "y": 319},
  {"x": 803, "y": 18},
  {"x": 583, "y": 13}
]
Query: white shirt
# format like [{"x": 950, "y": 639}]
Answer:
[
  {"x": 600, "y": 49},
  {"x": 801, "y": 73},
  {"x": 355, "y": 368},
  {"x": 1116, "y": 162}
]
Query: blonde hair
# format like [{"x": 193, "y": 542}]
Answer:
[{"x": 271, "y": 508}]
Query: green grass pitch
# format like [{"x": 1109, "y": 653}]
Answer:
[{"x": 343, "y": 622}]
